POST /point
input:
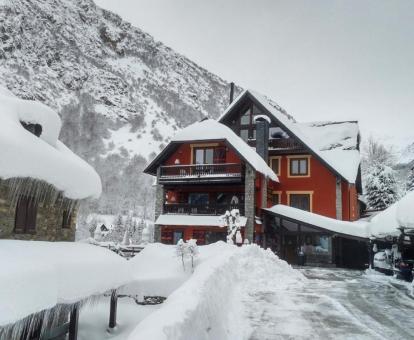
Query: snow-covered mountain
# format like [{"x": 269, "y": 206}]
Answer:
[
  {"x": 407, "y": 155},
  {"x": 120, "y": 93}
]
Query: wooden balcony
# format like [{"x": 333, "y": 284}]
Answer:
[
  {"x": 205, "y": 209},
  {"x": 201, "y": 173},
  {"x": 282, "y": 144}
]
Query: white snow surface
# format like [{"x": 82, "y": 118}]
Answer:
[
  {"x": 210, "y": 129},
  {"x": 45, "y": 157},
  {"x": 400, "y": 214},
  {"x": 195, "y": 220},
  {"x": 357, "y": 229},
  {"x": 334, "y": 142},
  {"x": 38, "y": 275},
  {"x": 209, "y": 304}
]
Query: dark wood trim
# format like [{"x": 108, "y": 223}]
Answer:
[{"x": 113, "y": 309}]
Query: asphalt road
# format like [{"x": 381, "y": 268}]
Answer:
[{"x": 334, "y": 304}]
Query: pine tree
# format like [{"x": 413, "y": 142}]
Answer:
[
  {"x": 410, "y": 181},
  {"x": 381, "y": 187},
  {"x": 117, "y": 233}
]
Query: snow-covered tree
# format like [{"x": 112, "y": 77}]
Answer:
[
  {"x": 92, "y": 226},
  {"x": 192, "y": 250},
  {"x": 381, "y": 186},
  {"x": 410, "y": 181},
  {"x": 117, "y": 233},
  {"x": 181, "y": 251},
  {"x": 231, "y": 219}
]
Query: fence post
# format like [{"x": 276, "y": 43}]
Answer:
[
  {"x": 73, "y": 323},
  {"x": 113, "y": 309}
]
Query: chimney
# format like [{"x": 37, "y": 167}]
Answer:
[
  {"x": 231, "y": 92},
  {"x": 262, "y": 136}
]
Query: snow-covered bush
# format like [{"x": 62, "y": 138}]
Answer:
[
  {"x": 381, "y": 186},
  {"x": 181, "y": 251},
  {"x": 192, "y": 250},
  {"x": 231, "y": 219}
]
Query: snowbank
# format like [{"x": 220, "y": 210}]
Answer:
[
  {"x": 400, "y": 214},
  {"x": 44, "y": 157},
  {"x": 203, "y": 307},
  {"x": 158, "y": 271},
  {"x": 210, "y": 129},
  {"x": 38, "y": 275},
  {"x": 357, "y": 229}
]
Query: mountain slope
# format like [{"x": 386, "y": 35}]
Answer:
[{"x": 121, "y": 94}]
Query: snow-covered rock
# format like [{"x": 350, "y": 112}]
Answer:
[{"x": 44, "y": 157}]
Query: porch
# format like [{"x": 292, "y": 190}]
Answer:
[{"x": 201, "y": 209}]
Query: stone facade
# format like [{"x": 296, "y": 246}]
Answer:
[
  {"x": 249, "y": 201},
  {"x": 159, "y": 205},
  {"x": 49, "y": 220}
]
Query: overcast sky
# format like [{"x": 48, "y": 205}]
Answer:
[{"x": 320, "y": 60}]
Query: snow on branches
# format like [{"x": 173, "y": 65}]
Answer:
[
  {"x": 381, "y": 186},
  {"x": 231, "y": 219},
  {"x": 410, "y": 181},
  {"x": 187, "y": 249}
]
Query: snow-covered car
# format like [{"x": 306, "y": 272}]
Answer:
[{"x": 383, "y": 262}]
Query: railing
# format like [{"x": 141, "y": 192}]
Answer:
[
  {"x": 198, "y": 209},
  {"x": 284, "y": 143},
  {"x": 197, "y": 171}
]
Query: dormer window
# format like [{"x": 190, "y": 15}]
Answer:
[{"x": 36, "y": 129}]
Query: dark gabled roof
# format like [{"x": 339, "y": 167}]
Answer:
[{"x": 335, "y": 144}]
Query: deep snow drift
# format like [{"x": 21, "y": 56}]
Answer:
[
  {"x": 208, "y": 305},
  {"x": 45, "y": 157},
  {"x": 38, "y": 275}
]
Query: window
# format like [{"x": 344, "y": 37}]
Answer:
[
  {"x": 26, "y": 212},
  {"x": 300, "y": 201},
  {"x": 66, "y": 219},
  {"x": 245, "y": 119},
  {"x": 274, "y": 163},
  {"x": 275, "y": 197},
  {"x": 177, "y": 235},
  {"x": 198, "y": 198},
  {"x": 219, "y": 155},
  {"x": 244, "y": 134},
  {"x": 204, "y": 156},
  {"x": 299, "y": 167}
]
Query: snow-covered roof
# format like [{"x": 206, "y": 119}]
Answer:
[
  {"x": 210, "y": 129},
  {"x": 194, "y": 220},
  {"x": 335, "y": 143},
  {"x": 38, "y": 275},
  {"x": 400, "y": 214},
  {"x": 45, "y": 157},
  {"x": 355, "y": 229}
]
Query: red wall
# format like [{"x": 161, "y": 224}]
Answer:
[{"x": 322, "y": 182}]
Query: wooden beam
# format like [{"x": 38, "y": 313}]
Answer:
[
  {"x": 113, "y": 309},
  {"x": 73, "y": 323}
]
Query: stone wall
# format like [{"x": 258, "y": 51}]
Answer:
[
  {"x": 249, "y": 201},
  {"x": 159, "y": 207},
  {"x": 48, "y": 221}
]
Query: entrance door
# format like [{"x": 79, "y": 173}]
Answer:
[
  {"x": 290, "y": 246},
  {"x": 178, "y": 235}
]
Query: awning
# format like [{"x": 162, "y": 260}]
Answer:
[
  {"x": 194, "y": 220},
  {"x": 318, "y": 222}
]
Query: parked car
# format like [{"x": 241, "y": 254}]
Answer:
[{"x": 383, "y": 262}]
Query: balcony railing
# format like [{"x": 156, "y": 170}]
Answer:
[
  {"x": 201, "y": 172},
  {"x": 284, "y": 144},
  {"x": 198, "y": 209}
]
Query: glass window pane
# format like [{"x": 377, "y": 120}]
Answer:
[
  {"x": 300, "y": 201},
  {"x": 199, "y": 156},
  {"x": 275, "y": 165},
  {"x": 245, "y": 119},
  {"x": 303, "y": 166},
  {"x": 294, "y": 166},
  {"x": 244, "y": 134},
  {"x": 209, "y": 154}
]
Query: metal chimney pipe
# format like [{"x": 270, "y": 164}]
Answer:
[{"x": 231, "y": 92}]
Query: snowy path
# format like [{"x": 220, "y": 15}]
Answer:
[{"x": 334, "y": 304}]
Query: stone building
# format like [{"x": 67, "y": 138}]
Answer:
[{"x": 41, "y": 181}]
